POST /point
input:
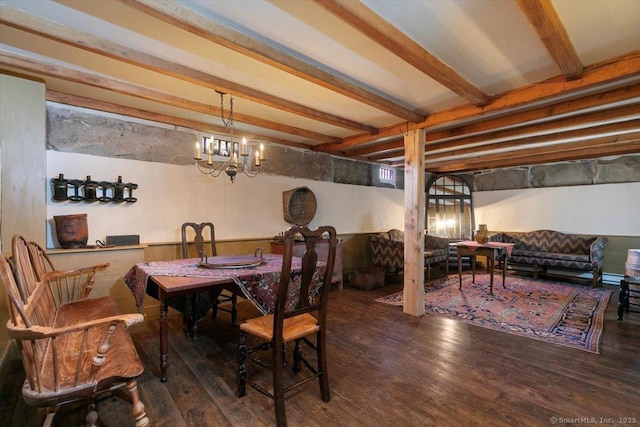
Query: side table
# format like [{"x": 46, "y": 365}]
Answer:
[
  {"x": 493, "y": 251},
  {"x": 629, "y": 294}
]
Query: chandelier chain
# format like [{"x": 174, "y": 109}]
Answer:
[{"x": 228, "y": 122}]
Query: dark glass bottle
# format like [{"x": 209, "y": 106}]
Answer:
[
  {"x": 118, "y": 190},
  {"x": 60, "y": 187},
  {"x": 90, "y": 190}
]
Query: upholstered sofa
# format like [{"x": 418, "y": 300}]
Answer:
[
  {"x": 547, "y": 248},
  {"x": 388, "y": 250}
]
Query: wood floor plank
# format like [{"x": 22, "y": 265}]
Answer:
[{"x": 386, "y": 368}]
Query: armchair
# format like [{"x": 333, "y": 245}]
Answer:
[{"x": 388, "y": 250}]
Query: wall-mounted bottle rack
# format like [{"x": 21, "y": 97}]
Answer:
[{"x": 89, "y": 191}]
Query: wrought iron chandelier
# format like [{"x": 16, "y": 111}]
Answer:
[{"x": 228, "y": 156}]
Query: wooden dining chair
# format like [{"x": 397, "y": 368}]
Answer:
[
  {"x": 218, "y": 297},
  {"x": 299, "y": 294},
  {"x": 71, "y": 351},
  {"x": 67, "y": 285}
]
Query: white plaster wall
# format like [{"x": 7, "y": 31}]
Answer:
[
  {"x": 22, "y": 142},
  {"x": 608, "y": 209},
  {"x": 169, "y": 195}
]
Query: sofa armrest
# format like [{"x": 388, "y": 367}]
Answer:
[
  {"x": 434, "y": 242},
  {"x": 596, "y": 251}
]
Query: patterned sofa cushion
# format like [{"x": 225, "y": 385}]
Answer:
[{"x": 551, "y": 255}]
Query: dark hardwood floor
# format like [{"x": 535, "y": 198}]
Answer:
[{"x": 386, "y": 369}]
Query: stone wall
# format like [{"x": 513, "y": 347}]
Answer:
[
  {"x": 582, "y": 172},
  {"x": 79, "y": 131}
]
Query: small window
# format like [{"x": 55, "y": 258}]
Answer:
[{"x": 387, "y": 176}]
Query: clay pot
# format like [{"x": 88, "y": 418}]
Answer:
[
  {"x": 72, "y": 230},
  {"x": 481, "y": 235}
]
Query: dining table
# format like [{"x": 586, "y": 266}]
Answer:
[{"x": 256, "y": 276}]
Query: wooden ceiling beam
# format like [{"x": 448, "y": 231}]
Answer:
[
  {"x": 79, "y": 101},
  {"x": 96, "y": 80},
  {"x": 597, "y": 102},
  {"x": 604, "y": 146},
  {"x": 621, "y": 114},
  {"x": 622, "y": 69},
  {"x": 392, "y": 145},
  {"x": 621, "y": 128},
  {"x": 385, "y": 156},
  {"x": 185, "y": 19},
  {"x": 464, "y": 147},
  {"x": 24, "y": 21},
  {"x": 546, "y": 22},
  {"x": 365, "y": 20}
]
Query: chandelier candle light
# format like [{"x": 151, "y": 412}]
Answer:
[{"x": 228, "y": 156}]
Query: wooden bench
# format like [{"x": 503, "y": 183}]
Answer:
[{"x": 72, "y": 350}]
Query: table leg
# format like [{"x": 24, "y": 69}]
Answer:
[
  {"x": 164, "y": 337},
  {"x": 504, "y": 271},
  {"x": 491, "y": 259},
  {"x": 459, "y": 268},
  {"x": 473, "y": 269}
]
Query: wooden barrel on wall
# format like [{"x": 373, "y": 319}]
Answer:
[
  {"x": 632, "y": 266},
  {"x": 299, "y": 205}
]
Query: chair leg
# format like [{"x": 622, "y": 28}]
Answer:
[
  {"x": 234, "y": 312},
  {"x": 241, "y": 377},
  {"x": 194, "y": 316},
  {"x": 50, "y": 414},
  {"x": 137, "y": 407},
  {"x": 597, "y": 277},
  {"x": 278, "y": 385},
  {"x": 214, "y": 309},
  {"x": 322, "y": 365},
  {"x": 297, "y": 357}
]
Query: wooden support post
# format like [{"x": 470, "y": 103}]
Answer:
[{"x": 414, "y": 214}]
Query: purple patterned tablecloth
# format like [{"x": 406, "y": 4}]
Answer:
[{"x": 258, "y": 284}]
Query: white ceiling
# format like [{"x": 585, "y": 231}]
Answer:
[{"x": 489, "y": 43}]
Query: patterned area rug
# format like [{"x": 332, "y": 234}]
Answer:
[{"x": 555, "y": 312}]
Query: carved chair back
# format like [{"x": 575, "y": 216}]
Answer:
[
  {"x": 199, "y": 238},
  {"x": 306, "y": 298}
]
